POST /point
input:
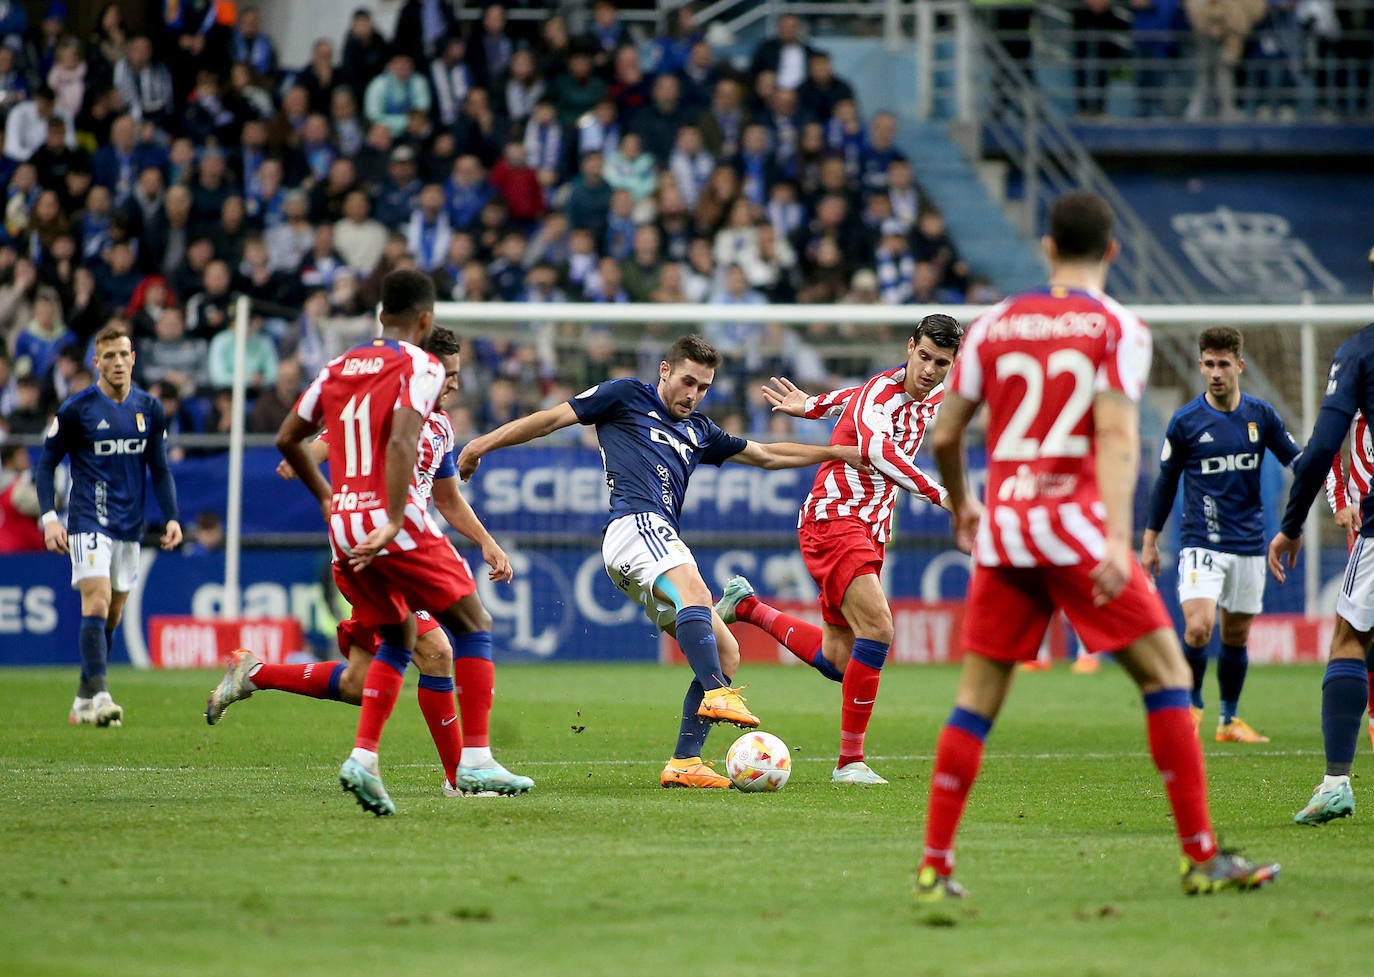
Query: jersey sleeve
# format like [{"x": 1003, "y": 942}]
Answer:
[
  {"x": 1335, "y": 486},
  {"x": 421, "y": 386},
  {"x": 600, "y": 402},
  {"x": 1343, "y": 385},
  {"x": 164, "y": 486},
  {"x": 1172, "y": 457},
  {"x": 1125, "y": 367},
  {"x": 55, "y": 447},
  {"x": 447, "y": 467},
  {"x": 829, "y": 404},
  {"x": 720, "y": 446},
  {"x": 308, "y": 404},
  {"x": 1280, "y": 442}
]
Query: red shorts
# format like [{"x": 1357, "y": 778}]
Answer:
[
  {"x": 1009, "y": 608},
  {"x": 837, "y": 551},
  {"x": 352, "y": 633},
  {"x": 390, "y": 587}
]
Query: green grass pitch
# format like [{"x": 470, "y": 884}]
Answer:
[{"x": 171, "y": 848}]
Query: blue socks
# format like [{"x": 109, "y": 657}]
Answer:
[
  {"x": 1345, "y": 693},
  {"x": 473, "y": 644},
  {"x": 395, "y": 656},
  {"x": 1231, "y": 668},
  {"x": 1197, "y": 661},
  {"x": 691, "y": 736},
  {"x": 698, "y": 643},
  {"x": 94, "y": 655}
]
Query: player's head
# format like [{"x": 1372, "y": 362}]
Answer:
[
  {"x": 1221, "y": 359},
  {"x": 930, "y": 352},
  {"x": 408, "y": 298},
  {"x": 114, "y": 359},
  {"x": 1081, "y": 225},
  {"x": 444, "y": 343},
  {"x": 686, "y": 373}
]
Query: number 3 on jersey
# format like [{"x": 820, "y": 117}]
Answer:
[
  {"x": 1015, "y": 444},
  {"x": 356, "y": 420}
]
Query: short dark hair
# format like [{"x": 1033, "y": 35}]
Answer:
[
  {"x": 443, "y": 341},
  {"x": 109, "y": 334},
  {"x": 407, "y": 292},
  {"x": 695, "y": 349},
  {"x": 1081, "y": 225},
  {"x": 1221, "y": 337},
  {"x": 942, "y": 330}
]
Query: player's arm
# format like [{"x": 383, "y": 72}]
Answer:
[
  {"x": 1116, "y": 421},
  {"x": 1309, "y": 473},
  {"x": 874, "y": 430},
  {"x": 448, "y": 499},
  {"x": 1172, "y": 457},
  {"x": 787, "y": 398},
  {"x": 947, "y": 444},
  {"x": 789, "y": 454},
  {"x": 523, "y": 429},
  {"x": 45, "y": 477},
  {"x": 319, "y": 450},
  {"x": 164, "y": 485},
  {"x": 292, "y": 436}
]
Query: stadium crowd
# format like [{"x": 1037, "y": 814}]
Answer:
[{"x": 151, "y": 179}]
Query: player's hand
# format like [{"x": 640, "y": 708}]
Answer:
[
  {"x": 55, "y": 537},
  {"x": 853, "y": 457},
  {"x": 495, "y": 557},
  {"x": 1149, "y": 557},
  {"x": 171, "y": 535},
  {"x": 375, "y": 542},
  {"x": 284, "y": 470},
  {"x": 967, "y": 515},
  {"x": 1349, "y": 520},
  {"x": 468, "y": 460},
  {"x": 1111, "y": 575},
  {"x": 785, "y": 396},
  {"x": 1283, "y": 555}
]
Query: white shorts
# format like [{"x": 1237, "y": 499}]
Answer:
[
  {"x": 637, "y": 550},
  {"x": 1235, "y": 583},
  {"x": 1355, "y": 602},
  {"x": 97, "y": 555}
]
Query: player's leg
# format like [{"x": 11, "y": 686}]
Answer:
[
  {"x": 340, "y": 681},
  {"x": 802, "y": 638},
  {"x": 1242, "y": 597},
  {"x": 434, "y": 694},
  {"x": 1344, "y": 688},
  {"x": 1200, "y": 580},
  {"x": 866, "y": 609},
  {"x": 91, "y": 555},
  {"x": 1004, "y": 620}
]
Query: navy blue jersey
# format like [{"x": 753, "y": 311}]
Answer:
[
  {"x": 110, "y": 444},
  {"x": 648, "y": 456},
  {"x": 1218, "y": 453},
  {"x": 1349, "y": 387}
]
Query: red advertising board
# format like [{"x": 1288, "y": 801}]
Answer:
[{"x": 192, "y": 642}]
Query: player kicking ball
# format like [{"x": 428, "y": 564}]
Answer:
[{"x": 846, "y": 522}]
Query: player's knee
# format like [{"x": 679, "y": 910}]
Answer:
[
  {"x": 1197, "y": 636},
  {"x": 351, "y": 684}
]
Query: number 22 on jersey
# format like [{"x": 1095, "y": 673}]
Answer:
[{"x": 1015, "y": 443}]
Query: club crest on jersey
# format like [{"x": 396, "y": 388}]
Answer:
[
  {"x": 1254, "y": 432},
  {"x": 142, "y": 425}
]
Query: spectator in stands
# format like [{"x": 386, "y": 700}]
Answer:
[
  {"x": 308, "y": 162},
  {"x": 1099, "y": 43},
  {"x": 451, "y": 80},
  {"x": 397, "y": 195},
  {"x": 822, "y": 88},
  {"x": 152, "y": 297},
  {"x": 549, "y": 243},
  {"x": 774, "y": 268},
  {"x": 145, "y": 84},
  {"x": 466, "y": 192},
  {"x": 248, "y": 45},
  {"x": 523, "y": 87},
  {"x": 640, "y": 271},
  {"x": 67, "y": 78},
  {"x": 28, "y": 416},
  {"x": 210, "y": 311},
  {"x": 589, "y": 196},
  {"x": 167, "y": 234},
  {"x": 895, "y": 264},
  {"x": 395, "y": 93},
  {"x": 358, "y": 237},
  {"x": 545, "y": 142},
  {"x": 322, "y": 263},
  {"x": 288, "y": 242},
  {"x": 207, "y": 535},
  {"x": 227, "y": 236},
  {"x": 518, "y": 184},
  {"x": 327, "y": 197},
  {"x": 1220, "y": 28},
  {"x": 35, "y": 346},
  {"x": 628, "y": 167},
  {"x": 260, "y": 362},
  {"x": 247, "y": 96},
  {"x": 605, "y": 284},
  {"x": 423, "y": 27},
  {"x": 364, "y": 53},
  {"x": 117, "y": 164},
  {"x": 690, "y": 164},
  {"x": 825, "y": 272},
  {"x": 208, "y": 117},
  {"x": 319, "y": 78},
  {"x": 506, "y": 271},
  {"x": 213, "y": 185},
  {"x": 85, "y": 309},
  {"x": 479, "y": 132},
  {"x": 26, "y": 125},
  {"x": 723, "y": 122},
  {"x": 429, "y": 229},
  {"x": 189, "y": 276},
  {"x": 607, "y": 36},
  {"x": 880, "y": 151},
  {"x": 490, "y": 48},
  {"x": 932, "y": 244},
  {"x": 117, "y": 277},
  {"x": 756, "y": 165},
  {"x": 173, "y": 358},
  {"x": 713, "y": 205},
  {"x": 274, "y": 403},
  {"x": 284, "y": 128},
  {"x": 1155, "y": 29},
  {"x": 579, "y": 89},
  {"x": 785, "y": 55},
  {"x": 658, "y": 123},
  {"x": 620, "y": 226},
  {"x": 256, "y": 278},
  {"x": 630, "y": 87}
]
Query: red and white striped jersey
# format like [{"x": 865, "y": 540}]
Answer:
[
  {"x": 887, "y": 424},
  {"x": 1349, "y": 488},
  {"x": 1038, "y": 360},
  {"x": 436, "y": 441},
  {"x": 357, "y": 394}
]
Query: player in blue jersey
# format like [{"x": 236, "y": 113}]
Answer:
[
  {"x": 1349, "y": 387},
  {"x": 113, "y": 433},
  {"x": 1216, "y": 443},
  {"x": 652, "y": 439}
]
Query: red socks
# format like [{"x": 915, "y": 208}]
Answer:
[
  {"x": 794, "y": 634},
  {"x": 475, "y": 680},
  {"x": 958, "y": 755},
  {"x": 1178, "y": 756},
  {"x": 317, "y": 680},
  {"x": 435, "y": 696},
  {"x": 859, "y": 691},
  {"x": 381, "y": 689}
]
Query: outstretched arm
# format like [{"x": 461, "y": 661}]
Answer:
[
  {"x": 519, "y": 431},
  {"x": 448, "y": 499},
  {"x": 789, "y": 454},
  {"x": 787, "y": 398}
]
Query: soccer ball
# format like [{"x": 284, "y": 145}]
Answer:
[{"x": 758, "y": 762}]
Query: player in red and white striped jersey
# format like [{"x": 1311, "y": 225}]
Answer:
[
  {"x": 390, "y": 557},
  {"x": 1061, "y": 370},
  {"x": 846, "y": 522},
  {"x": 1345, "y": 490}
]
